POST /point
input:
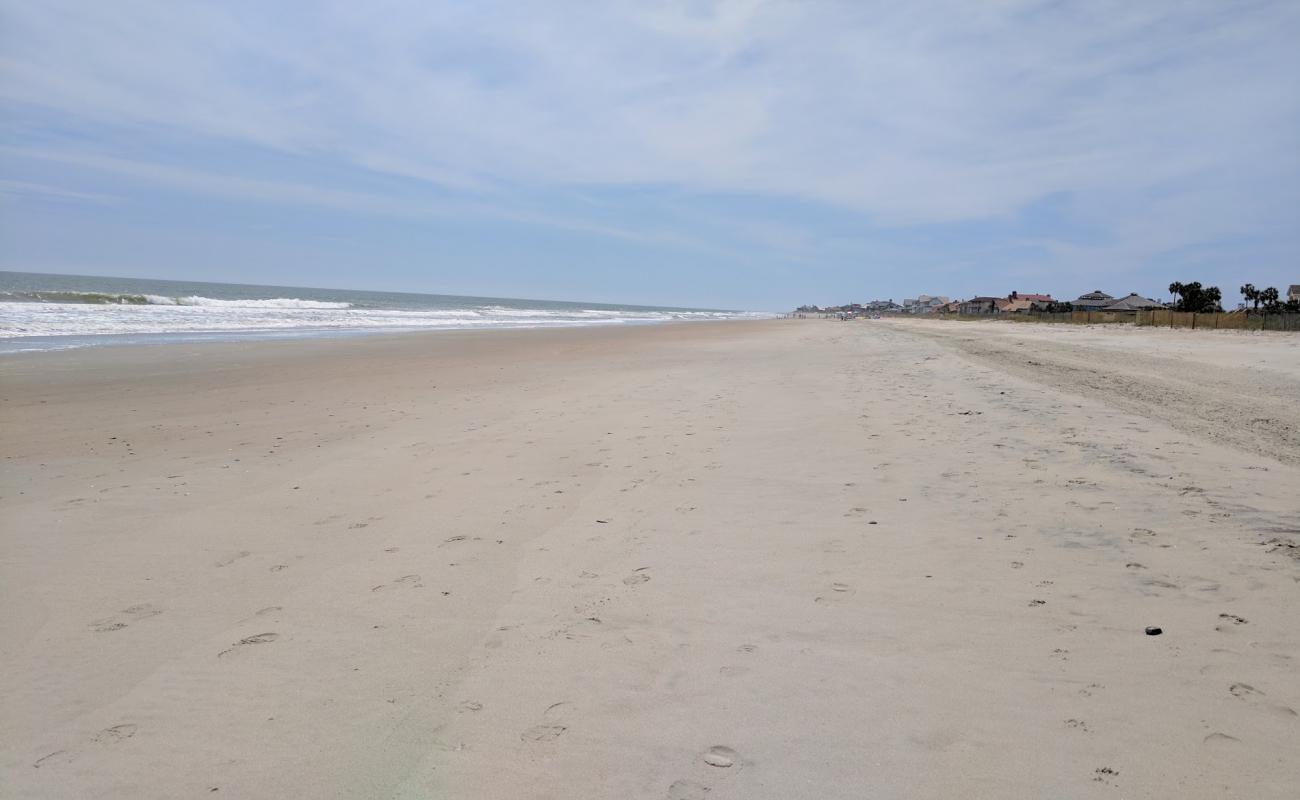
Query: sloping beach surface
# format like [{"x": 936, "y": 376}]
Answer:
[{"x": 797, "y": 559}]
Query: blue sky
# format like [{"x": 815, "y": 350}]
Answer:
[{"x": 724, "y": 154}]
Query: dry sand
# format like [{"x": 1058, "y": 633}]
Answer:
[{"x": 792, "y": 559}]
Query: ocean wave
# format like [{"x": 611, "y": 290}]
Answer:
[
  {"x": 126, "y": 299},
  {"x": 54, "y": 314},
  {"x": 76, "y": 298},
  {"x": 270, "y": 302}
]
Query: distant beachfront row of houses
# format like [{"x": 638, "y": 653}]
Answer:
[
  {"x": 1026, "y": 303},
  {"x": 1015, "y": 302}
]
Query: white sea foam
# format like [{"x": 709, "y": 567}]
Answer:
[
  {"x": 156, "y": 314},
  {"x": 212, "y": 302}
]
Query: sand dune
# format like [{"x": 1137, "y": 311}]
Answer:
[{"x": 778, "y": 559}]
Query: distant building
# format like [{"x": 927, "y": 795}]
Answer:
[
  {"x": 1012, "y": 306},
  {"x": 1293, "y": 292},
  {"x": 1095, "y": 300},
  {"x": 882, "y": 307},
  {"x": 1134, "y": 302},
  {"x": 980, "y": 305},
  {"x": 928, "y": 304},
  {"x": 1023, "y": 302},
  {"x": 923, "y": 304}
]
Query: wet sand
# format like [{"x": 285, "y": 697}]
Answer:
[{"x": 797, "y": 558}]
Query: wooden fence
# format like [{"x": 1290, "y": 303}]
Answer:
[{"x": 1234, "y": 320}]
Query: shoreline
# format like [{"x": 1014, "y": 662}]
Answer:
[
  {"x": 776, "y": 558},
  {"x": 8, "y": 346}
]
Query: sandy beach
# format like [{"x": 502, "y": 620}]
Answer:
[{"x": 780, "y": 559}]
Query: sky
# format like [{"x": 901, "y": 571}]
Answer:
[{"x": 737, "y": 154}]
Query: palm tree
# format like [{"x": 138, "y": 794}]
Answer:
[
  {"x": 1251, "y": 294},
  {"x": 1269, "y": 297},
  {"x": 1208, "y": 299},
  {"x": 1176, "y": 288}
]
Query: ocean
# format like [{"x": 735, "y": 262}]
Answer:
[{"x": 53, "y": 312}]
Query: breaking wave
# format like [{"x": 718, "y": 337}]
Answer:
[
  {"x": 272, "y": 302},
  {"x": 123, "y": 299},
  {"x": 78, "y": 310},
  {"x": 207, "y": 315}
]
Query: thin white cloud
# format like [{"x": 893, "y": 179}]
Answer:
[
  {"x": 290, "y": 193},
  {"x": 27, "y": 189},
  {"x": 207, "y": 182}
]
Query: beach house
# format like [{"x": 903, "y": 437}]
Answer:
[
  {"x": 1134, "y": 302},
  {"x": 926, "y": 304},
  {"x": 1033, "y": 298},
  {"x": 980, "y": 305},
  {"x": 1013, "y": 305},
  {"x": 1095, "y": 300}
]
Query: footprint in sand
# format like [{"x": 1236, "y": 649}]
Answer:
[
  {"x": 1248, "y": 692},
  {"x": 406, "y": 580},
  {"x": 1230, "y": 621},
  {"x": 687, "y": 790},
  {"x": 543, "y": 733},
  {"x": 637, "y": 577},
  {"x": 260, "y": 638},
  {"x": 228, "y": 560},
  {"x": 116, "y": 733},
  {"x": 1142, "y": 534},
  {"x": 839, "y": 591},
  {"x": 720, "y": 756},
  {"x": 129, "y": 615},
  {"x": 1216, "y": 739},
  {"x": 57, "y": 757}
]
